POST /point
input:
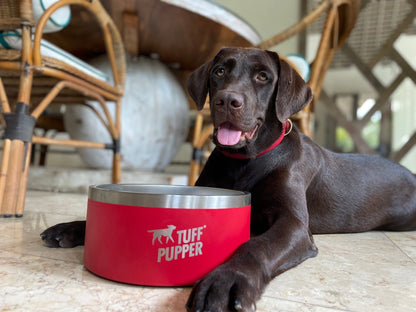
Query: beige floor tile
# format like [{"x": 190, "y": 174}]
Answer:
[
  {"x": 352, "y": 273},
  {"x": 405, "y": 241},
  {"x": 365, "y": 272},
  {"x": 30, "y": 283}
]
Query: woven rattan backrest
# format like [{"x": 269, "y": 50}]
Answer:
[{"x": 15, "y": 13}]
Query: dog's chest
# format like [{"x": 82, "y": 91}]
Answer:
[{"x": 244, "y": 175}]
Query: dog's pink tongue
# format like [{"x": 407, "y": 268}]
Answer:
[{"x": 228, "y": 135}]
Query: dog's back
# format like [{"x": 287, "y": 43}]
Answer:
[{"x": 353, "y": 187}]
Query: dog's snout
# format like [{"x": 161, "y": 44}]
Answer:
[{"x": 230, "y": 99}]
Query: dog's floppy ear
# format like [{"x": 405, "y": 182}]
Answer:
[
  {"x": 198, "y": 84},
  {"x": 293, "y": 94}
]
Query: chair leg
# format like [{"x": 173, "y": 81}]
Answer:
[
  {"x": 43, "y": 153},
  {"x": 15, "y": 160},
  {"x": 4, "y": 170},
  {"x": 20, "y": 205},
  {"x": 198, "y": 154},
  {"x": 194, "y": 169},
  {"x": 12, "y": 191},
  {"x": 304, "y": 122},
  {"x": 116, "y": 171},
  {"x": 195, "y": 162}
]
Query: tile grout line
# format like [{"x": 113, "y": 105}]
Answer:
[{"x": 399, "y": 248}]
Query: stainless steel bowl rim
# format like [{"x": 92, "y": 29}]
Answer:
[{"x": 169, "y": 196}]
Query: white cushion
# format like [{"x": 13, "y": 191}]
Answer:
[
  {"x": 58, "y": 20},
  {"x": 301, "y": 64},
  {"x": 13, "y": 40}
]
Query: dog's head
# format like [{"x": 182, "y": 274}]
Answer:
[{"x": 252, "y": 92}]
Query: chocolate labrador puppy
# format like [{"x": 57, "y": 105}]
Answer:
[{"x": 298, "y": 188}]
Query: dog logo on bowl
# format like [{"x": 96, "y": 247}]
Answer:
[
  {"x": 188, "y": 244},
  {"x": 158, "y": 234}
]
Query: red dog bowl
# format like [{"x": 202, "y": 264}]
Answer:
[{"x": 162, "y": 235}]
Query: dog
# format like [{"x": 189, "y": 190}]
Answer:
[
  {"x": 298, "y": 188},
  {"x": 158, "y": 234}
]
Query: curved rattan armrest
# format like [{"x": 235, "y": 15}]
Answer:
[
  {"x": 347, "y": 15},
  {"x": 112, "y": 38},
  {"x": 348, "y": 11}
]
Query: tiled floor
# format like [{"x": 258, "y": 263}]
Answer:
[{"x": 367, "y": 272}]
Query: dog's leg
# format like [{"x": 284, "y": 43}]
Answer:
[{"x": 238, "y": 284}]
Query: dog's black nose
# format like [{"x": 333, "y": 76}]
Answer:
[{"x": 230, "y": 99}]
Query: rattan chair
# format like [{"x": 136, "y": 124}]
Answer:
[
  {"x": 30, "y": 82},
  {"x": 341, "y": 16}
]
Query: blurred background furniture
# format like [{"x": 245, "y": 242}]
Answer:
[
  {"x": 31, "y": 80},
  {"x": 380, "y": 46},
  {"x": 374, "y": 68},
  {"x": 180, "y": 37},
  {"x": 180, "y": 34},
  {"x": 375, "y": 113}
]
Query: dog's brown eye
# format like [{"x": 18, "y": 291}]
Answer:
[
  {"x": 220, "y": 72},
  {"x": 262, "y": 76}
]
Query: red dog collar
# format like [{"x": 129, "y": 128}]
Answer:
[{"x": 287, "y": 125}]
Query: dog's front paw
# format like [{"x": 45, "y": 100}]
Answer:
[
  {"x": 224, "y": 290},
  {"x": 66, "y": 235}
]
